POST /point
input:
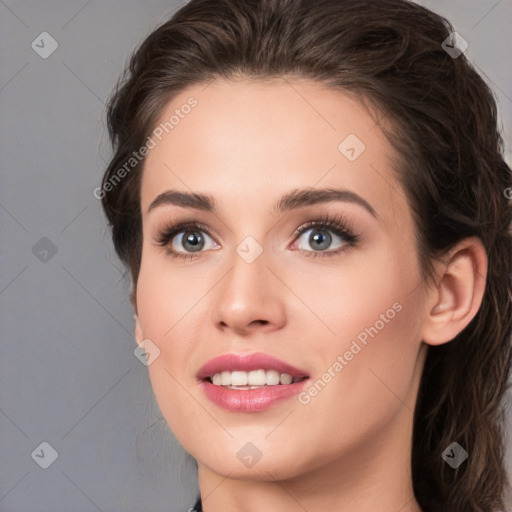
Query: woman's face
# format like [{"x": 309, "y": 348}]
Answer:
[{"x": 343, "y": 305}]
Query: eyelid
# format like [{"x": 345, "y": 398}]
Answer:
[
  {"x": 175, "y": 228},
  {"x": 336, "y": 224}
]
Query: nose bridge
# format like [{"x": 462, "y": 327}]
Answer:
[
  {"x": 248, "y": 277},
  {"x": 247, "y": 294}
]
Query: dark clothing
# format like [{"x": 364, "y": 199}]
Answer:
[{"x": 198, "y": 507}]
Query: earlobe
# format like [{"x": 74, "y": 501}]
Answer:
[
  {"x": 456, "y": 298},
  {"x": 138, "y": 331},
  {"x": 133, "y": 297}
]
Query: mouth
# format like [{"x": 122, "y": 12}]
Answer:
[
  {"x": 253, "y": 379},
  {"x": 249, "y": 371},
  {"x": 250, "y": 383}
]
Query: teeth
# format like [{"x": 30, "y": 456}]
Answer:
[
  {"x": 238, "y": 378},
  {"x": 254, "y": 378},
  {"x": 286, "y": 378},
  {"x": 272, "y": 378}
]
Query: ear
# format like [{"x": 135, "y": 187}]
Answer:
[
  {"x": 133, "y": 297},
  {"x": 457, "y": 295},
  {"x": 139, "y": 337},
  {"x": 133, "y": 300}
]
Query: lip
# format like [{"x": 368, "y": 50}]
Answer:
[
  {"x": 233, "y": 362},
  {"x": 251, "y": 400}
]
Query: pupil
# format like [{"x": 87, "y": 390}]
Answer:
[
  {"x": 195, "y": 240},
  {"x": 320, "y": 240}
]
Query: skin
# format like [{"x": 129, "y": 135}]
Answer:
[{"x": 247, "y": 143}]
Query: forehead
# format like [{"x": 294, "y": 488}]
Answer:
[{"x": 248, "y": 142}]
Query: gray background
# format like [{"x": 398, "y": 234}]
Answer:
[{"x": 68, "y": 373}]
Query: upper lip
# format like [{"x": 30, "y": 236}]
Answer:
[{"x": 232, "y": 362}]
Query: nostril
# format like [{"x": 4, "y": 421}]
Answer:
[{"x": 262, "y": 322}]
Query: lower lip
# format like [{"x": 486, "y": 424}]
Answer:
[{"x": 251, "y": 400}]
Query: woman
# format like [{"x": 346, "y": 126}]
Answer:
[{"x": 311, "y": 198}]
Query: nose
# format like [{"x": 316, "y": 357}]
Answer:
[{"x": 249, "y": 298}]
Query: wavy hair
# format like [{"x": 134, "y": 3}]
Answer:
[{"x": 441, "y": 118}]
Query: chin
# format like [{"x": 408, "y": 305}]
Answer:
[{"x": 237, "y": 463}]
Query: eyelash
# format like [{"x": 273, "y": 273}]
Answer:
[{"x": 336, "y": 224}]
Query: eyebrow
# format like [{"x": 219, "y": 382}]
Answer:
[{"x": 292, "y": 200}]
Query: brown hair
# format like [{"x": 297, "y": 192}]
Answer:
[{"x": 444, "y": 129}]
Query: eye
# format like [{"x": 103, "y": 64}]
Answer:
[
  {"x": 188, "y": 240},
  {"x": 184, "y": 240},
  {"x": 318, "y": 235}
]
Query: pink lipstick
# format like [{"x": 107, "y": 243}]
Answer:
[{"x": 250, "y": 383}]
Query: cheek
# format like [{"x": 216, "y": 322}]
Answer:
[
  {"x": 367, "y": 329},
  {"x": 346, "y": 298},
  {"x": 166, "y": 295},
  {"x": 165, "y": 301}
]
